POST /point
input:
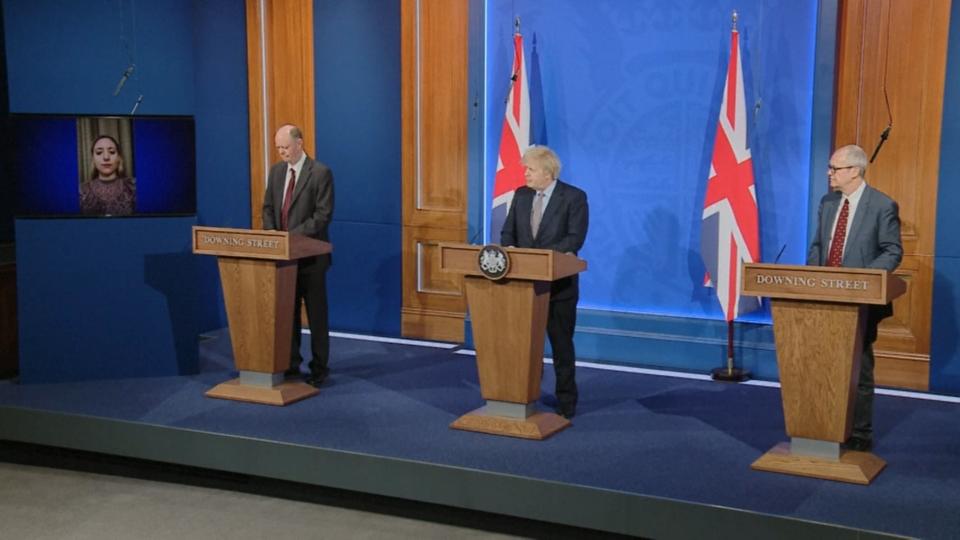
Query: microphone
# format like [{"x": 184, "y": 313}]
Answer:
[
  {"x": 777, "y": 259},
  {"x": 136, "y": 105},
  {"x": 883, "y": 138},
  {"x": 123, "y": 79}
]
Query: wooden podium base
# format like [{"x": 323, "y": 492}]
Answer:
[
  {"x": 853, "y": 467},
  {"x": 281, "y": 394},
  {"x": 537, "y": 426}
]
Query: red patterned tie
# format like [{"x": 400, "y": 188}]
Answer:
[
  {"x": 839, "y": 236},
  {"x": 287, "y": 200}
]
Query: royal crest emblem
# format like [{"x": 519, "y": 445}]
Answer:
[{"x": 493, "y": 261}]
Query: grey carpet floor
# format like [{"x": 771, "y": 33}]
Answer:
[{"x": 47, "y": 503}]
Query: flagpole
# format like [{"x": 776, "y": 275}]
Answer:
[{"x": 730, "y": 373}]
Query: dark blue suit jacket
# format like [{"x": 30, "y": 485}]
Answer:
[{"x": 563, "y": 228}]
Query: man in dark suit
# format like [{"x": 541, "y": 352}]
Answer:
[
  {"x": 299, "y": 199},
  {"x": 550, "y": 214},
  {"x": 858, "y": 227}
]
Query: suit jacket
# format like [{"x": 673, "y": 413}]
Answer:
[
  {"x": 873, "y": 240},
  {"x": 563, "y": 228},
  {"x": 311, "y": 209}
]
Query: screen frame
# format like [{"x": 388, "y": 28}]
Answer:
[{"x": 14, "y": 173}]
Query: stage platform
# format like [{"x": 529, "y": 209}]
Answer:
[{"x": 648, "y": 455}]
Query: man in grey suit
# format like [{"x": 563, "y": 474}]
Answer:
[
  {"x": 299, "y": 199},
  {"x": 858, "y": 227},
  {"x": 550, "y": 214}
]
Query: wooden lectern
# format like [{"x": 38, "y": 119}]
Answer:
[
  {"x": 819, "y": 315},
  {"x": 258, "y": 272},
  {"x": 509, "y": 320}
]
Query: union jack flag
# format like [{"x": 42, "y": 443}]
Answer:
[
  {"x": 730, "y": 233},
  {"x": 514, "y": 140}
]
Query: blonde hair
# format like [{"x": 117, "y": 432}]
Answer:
[{"x": 545, "y": 158}]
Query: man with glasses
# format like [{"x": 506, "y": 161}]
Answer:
[{"x": 858, "y": 227}]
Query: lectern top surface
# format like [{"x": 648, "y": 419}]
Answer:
[
  {"x": 821, "y": 283},
  {"x": 525, "y": 263},
  {"x": 255, "y": 244}
]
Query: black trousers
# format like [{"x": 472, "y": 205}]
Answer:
[
  {"x": 863, "y": 406},
  {"x": 312, "y": 291},
  {"x": 561, "y": 322}
]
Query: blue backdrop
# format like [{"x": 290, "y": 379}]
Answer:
[{"x": 630, "y": 99}]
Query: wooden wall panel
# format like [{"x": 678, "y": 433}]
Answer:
[
  {"x": 280, "y": 71},
  {"x": 434, "y": 124},
  {"x": 442, "y": 112},
  {"x": 256, "y": 77},
  {"x": 900, "y": 44},
  {"x": 433, "y": 301}
]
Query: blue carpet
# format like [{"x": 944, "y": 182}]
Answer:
[{"x": 667, "y": 437}]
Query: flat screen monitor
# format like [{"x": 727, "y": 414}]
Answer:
[{"x": 103, "y": 166}]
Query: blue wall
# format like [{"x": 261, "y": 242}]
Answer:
[
  {"x": 222, "y": 124},
  {"x": 103, "y": 298},
  {"x": 944, "y": 351},
  {"x": 126, "y": 297},
  {"x": 86, "y": 46},
  {"x": 220, "y": 107},
  {"x": 357, "y": 54}
]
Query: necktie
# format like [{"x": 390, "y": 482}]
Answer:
[
  {"x": 537, "y": 214},
  {"x": 839, "y": 236},
  {"x": 287, "y": 200}
]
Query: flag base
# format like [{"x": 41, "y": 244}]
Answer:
[{"x": 730, "y": 374}]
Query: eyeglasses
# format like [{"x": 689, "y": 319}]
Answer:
[{"x": 833, "y": 169}]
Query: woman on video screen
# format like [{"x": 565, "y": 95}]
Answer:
[{"x": 109, "y": 191}]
